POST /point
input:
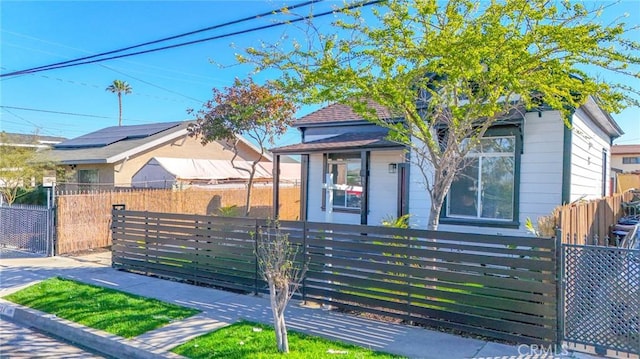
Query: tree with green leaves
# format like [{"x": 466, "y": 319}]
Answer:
[
  {"x": 119, "y": 87},
  {"x": 19, "y": 165},
  {"x": 260, "y": 113},
  {"x": 452, "y": 69}
]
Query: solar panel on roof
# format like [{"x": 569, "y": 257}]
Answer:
[{"x": 110, "y": 135}]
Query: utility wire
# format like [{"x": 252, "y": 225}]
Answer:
[
  {"x": 241, "y": 32},
  {"x": 58, "y": 64},
  {"x": 49, "y": 111}
]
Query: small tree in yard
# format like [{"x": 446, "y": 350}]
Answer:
[
  {"x": 258, "y": 112},
  {"x": 449, "y": 70},
  {"x": 277, "y": 261}
]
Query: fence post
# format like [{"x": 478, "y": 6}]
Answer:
[
  {"x": 559, "y": 258},
  {"x": 255, "y": 249},
  {"x": 114, "y": 229},
  {"x": 306, "y": 259}
]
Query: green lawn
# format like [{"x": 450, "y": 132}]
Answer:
[
  {"x": 119, "y": 313},
  {"x": 252, "y": 340}
]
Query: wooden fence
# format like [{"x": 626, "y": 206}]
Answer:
[
  {"x": 83, "y": 219},
  {"x": 496, "y": 286},
  {"x": 585, "y": 222}
]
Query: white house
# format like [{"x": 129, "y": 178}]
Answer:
[{"x": 535, "y": 164}]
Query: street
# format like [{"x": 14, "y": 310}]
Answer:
[{"x": 17, "y": 341}]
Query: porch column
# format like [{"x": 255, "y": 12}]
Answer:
[
  {"x": 364, "y": 201},
  {"x": 304, "y": 185}
]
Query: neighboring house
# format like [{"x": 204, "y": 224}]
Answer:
[
  {"x": 625, "y": 158},
  {"x": 110, "y": 157},
  {"x": 540, "y": 164},
  {"x": 33, "y": 142},
  {"x": 625, "y": 167}
]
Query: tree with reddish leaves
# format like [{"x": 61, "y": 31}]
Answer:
[{"x": 260, "y": 113}]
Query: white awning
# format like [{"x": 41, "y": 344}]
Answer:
[{"x": 201, "y": 169}]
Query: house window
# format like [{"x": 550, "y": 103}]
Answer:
[
  {"x": 347, "y": 179},
  {"x": 630, "y": 160},
  {"x": 485, "y": 189},
  {"x": 86, "y": 178}
]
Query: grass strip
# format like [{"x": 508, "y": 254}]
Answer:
[
  {"x": 115, "y": 312},
  {"x": 252, "y": 340}
]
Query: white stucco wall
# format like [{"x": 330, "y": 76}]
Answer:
[
  {"x": 587, "y": 143},
  {"x": 616, "y": 162}
]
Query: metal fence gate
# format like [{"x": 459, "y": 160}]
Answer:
[
  {"x": 27, "y": 228},
  {"x": 602, "y": 297}
]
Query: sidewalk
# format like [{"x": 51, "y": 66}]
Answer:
[{"x": 220, "y": 308}]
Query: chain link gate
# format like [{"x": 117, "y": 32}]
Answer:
[
  {"x": 28, "y": 228},
  {"x": 602, "y": 297}
]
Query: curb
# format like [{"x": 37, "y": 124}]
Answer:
[{"x": 93, "y": 339}]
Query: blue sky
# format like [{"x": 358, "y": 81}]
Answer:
[{"x": 166, "y": 83}]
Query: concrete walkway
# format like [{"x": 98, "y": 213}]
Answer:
[{"x": 220, "y": 308}]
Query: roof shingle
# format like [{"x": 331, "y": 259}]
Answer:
[{"x": 340, "y": 113}]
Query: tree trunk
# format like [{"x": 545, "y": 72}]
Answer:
[
  {"x": 434, "y": 216},
  {"x": 249, "y": 188},
  {"x": 283, "y": 334},
  {"x": 278, "y": 300},
  {"x": 274, "y": 311},
  {"x": 119, "y": 109}
]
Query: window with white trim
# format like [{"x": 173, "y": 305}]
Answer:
[
  {"x": 347, "y": 179},
  {"x": 485, "y": 188}
]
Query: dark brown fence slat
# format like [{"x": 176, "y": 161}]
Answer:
[{"x": 498, "y": 286}]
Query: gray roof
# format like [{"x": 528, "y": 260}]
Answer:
[
  {"x": 110, "y": 135},
  {"x": 340, "y": 113},
  {"x": 90, "y": 148}
]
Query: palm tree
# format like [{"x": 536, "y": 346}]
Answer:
[{"x": 119, "y": 87}]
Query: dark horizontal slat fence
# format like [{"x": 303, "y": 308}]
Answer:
[{"x": 496, "y": 286}]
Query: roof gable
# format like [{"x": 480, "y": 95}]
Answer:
[{"x": 93, "y": 150}]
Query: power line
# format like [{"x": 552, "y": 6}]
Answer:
[
  {"x": 241, "y": 32},
  {"x": 59, "y": 64},
  {"x": 56, "y": 112},
  {"x": 156, "y": 86},
  {"x": 89, "y": 52},
  {"x": 38, "y": 128}
]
